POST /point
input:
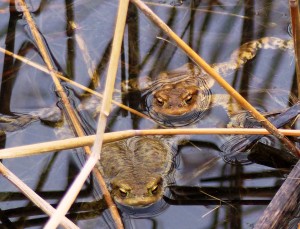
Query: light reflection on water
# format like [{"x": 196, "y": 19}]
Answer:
[{"x": 213, "y": 30}]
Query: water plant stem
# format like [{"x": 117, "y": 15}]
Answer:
[
  {"x": 70, "y": 143},
  {"x": 201, "y": 63},
  {"x": 73, "y": 191}
]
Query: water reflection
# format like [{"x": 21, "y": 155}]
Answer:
[{"x": 214, "y": 29}]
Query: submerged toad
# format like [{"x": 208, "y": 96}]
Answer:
[
  {"x": 181, "y": 96},
  {"x": 137, "y": 169}
]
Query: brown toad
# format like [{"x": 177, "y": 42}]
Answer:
[
  {"x": 137, "y": 169},
  {"x": 181, "y": 96}
]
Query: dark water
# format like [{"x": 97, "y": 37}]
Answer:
[{"x": 213, "y": 29}]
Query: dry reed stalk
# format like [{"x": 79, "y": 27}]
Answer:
[
  {"x": 73, "y": 191},
  {"x": 295, "y": 19},
  {"x": 70, "y": 143},
  {"x": 199, "y": 61},
  {"x": 65, "y": 101},
  {"x": 36, "y": 199},
  {"x": 59, "y": 75}
]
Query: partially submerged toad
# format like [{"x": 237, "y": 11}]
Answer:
[
  {"x": 137, "y": 169},
  {"x": 181, "y": 96}
]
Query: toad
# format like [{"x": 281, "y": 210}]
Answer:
[
  {"x": 181, "y": 96},
  {"x": 137, "y": 169}
]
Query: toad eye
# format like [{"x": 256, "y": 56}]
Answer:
[
  {"x": 159, "y": 101},
  {"x": 123, "y": 192},
  {"x": 189, "y": 98},
  {"x": 153, "y": 190}
]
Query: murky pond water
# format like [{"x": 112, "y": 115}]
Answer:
[{"x": 78, "y": 35}]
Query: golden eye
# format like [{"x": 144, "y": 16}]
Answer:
[
  {"x": 153, "y": 190},
  {"x": 159, "y": 101},
  {"x": 123, "y": 192},
  {"x": 189, "y": 99}
]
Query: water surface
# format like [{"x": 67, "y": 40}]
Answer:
[{"x": 213, "y": 29}]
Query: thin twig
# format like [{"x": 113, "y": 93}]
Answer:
[
  {"x": 199, "y": 61},
  {"x": 74, "y": 83},
  {"x": 70, "y": 143},
  {"x": 73, "y": 191},
  {"x": 36, "y": 199}
]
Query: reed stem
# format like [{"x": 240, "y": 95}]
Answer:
[{"x": 70, "y": 143}]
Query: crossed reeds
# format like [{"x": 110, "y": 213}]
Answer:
[{"x": 58, "y": 215}]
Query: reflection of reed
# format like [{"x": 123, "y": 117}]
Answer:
[
  {"x": 181, "y": 195},
  {"x": 254, "y": 175},
  {"x": 189, "y": 193},
  {"x": 6, "y": 87},
  {"x": 37, "y": 200},
  {"x": 215, "y": 201},
  {"x": 45, "y": 194},
  {"x": 230, "y": 194},
  {"x": 133, "y": 59},
  {"x": 70, "y": 143},
  {"x": 78, "y": 211}
]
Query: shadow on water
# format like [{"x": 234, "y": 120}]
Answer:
[{"x": 208, "y": 192}]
